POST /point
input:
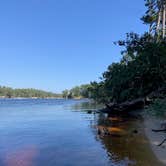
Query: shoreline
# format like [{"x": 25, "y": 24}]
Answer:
[
  {"x": 155, "y": 138},
  {"x": 19, "y": 98},
  {"x": 30, "y": 98}
]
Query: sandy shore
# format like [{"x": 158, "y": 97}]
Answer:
[{"x": 155, "y": 138}]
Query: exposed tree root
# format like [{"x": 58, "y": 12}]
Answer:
[
  {"x": 162, "y": 142},
  {"x": 164, "y": 130}
]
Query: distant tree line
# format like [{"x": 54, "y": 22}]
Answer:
[
  {"x": 77, "y": 92},
  {"x": 8, "y": 92}
]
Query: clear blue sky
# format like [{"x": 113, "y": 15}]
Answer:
[{"x": 57, "y": 44}]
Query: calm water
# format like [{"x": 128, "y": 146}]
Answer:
[{"x": 63, "y": 133}]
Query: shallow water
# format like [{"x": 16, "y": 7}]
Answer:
[{"x": 40, "y": 132}]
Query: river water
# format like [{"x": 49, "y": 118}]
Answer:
[{"x": 57, "y": 132}]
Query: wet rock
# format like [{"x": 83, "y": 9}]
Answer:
[
  {"x": 89, "y": 111},
  {"x": 135, "y": 131}
]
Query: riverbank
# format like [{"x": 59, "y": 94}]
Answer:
[{"x": 155, "y": 138}]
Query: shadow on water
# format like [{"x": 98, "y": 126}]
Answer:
[
  {"x": 123, "y": 137},
  {"x": 86, "y": 106}
]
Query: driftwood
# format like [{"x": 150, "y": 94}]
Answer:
[
  {"x": 124, "y": 107},
  {"x": 114, "y": 108},
  {"x": 162, "y": 130},
  {"x": 162, "y": 142}
]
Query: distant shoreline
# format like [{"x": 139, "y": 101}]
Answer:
[
  {"x": 1, "y": 97},
  {"x": 30, "y": 98}
]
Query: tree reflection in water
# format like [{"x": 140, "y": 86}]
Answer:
[{"x": 124, "y": 140}]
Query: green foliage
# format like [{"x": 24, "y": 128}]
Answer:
[
  {"x": 27, "y": 93},
  {"x": 77, "y": 92},
  {"x": 97, "y": 92},
  {"x": 158, "y": 108},
  {"x": 150, "y": 17},
  {"x": 141, "y": 70},
  {"x": 65, "y": 93},
  {"x": 153, "y": 17}
]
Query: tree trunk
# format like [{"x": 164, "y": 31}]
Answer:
[{"x": 164, "y": 21}]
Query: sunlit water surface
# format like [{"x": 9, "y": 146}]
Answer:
[{"x": 40, "y": 132}]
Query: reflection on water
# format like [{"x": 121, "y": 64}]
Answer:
[
  {"x": 124, "y": 140},
  {"x": 69, "y": 133}
]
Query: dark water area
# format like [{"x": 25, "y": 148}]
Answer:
[{"x": 40, "y": 132}]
